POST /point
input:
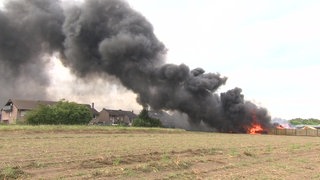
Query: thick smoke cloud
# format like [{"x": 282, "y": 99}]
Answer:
[
  {"x": 29, "y": 30},
  {"x": 108, "y": 38}
]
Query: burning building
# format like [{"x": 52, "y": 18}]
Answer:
[{"x": 109, "y": 39}]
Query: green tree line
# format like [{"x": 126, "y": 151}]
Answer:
[
  {"x": 63, "y": 112},
  {"x": 300, "y": 121}
]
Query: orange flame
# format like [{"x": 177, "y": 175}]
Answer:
[
  {"x": 255, "y": 129},
  {"x": 280, "y": 127}
]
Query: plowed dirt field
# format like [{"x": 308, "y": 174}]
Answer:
[{"x": 148, "y": 154}]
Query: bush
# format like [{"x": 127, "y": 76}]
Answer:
[
  {"x": 151, "y": 122},
  {"x": 300, "y": 121},
  {"x": 144, "y": 120},
  {"x": 63, "y": 112}
]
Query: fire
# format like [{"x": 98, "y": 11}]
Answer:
[
  {"x": 280, "y": 127},
  {"x": 255, "y": 129}
]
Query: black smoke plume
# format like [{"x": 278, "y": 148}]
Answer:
[{"x": 108, "y": 38}]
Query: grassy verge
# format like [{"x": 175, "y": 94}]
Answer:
[{"x": 84, "y": 128}]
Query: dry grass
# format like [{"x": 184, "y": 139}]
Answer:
[{"x": 80, "y": 152}]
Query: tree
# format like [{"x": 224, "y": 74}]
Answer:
[
  {"x": 144, "y": 120},
  {"x": 300, "y": 121},
  {"x": 63, "y": 112}
]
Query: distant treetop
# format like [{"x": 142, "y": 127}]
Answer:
[{"x": 300, "y": 121}]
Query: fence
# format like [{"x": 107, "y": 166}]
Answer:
[{"x": 295, "y": 132}]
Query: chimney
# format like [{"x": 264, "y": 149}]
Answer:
[{"x": 92, "y": 105}]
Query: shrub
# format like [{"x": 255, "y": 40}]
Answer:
[
  {"x": 63, "y": 112},
  {"x": 144, "y": 120}
]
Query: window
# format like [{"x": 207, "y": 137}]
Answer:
[{"x": 23, "y": 113}]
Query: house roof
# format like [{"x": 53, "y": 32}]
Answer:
[
  {"x": 28, "y": 104},
  {"x": 309, "y": 127},
  {"x": 32, "y": 104},
  {"x": 120, "y": 112},
  {"x": 93, "y": 110}
]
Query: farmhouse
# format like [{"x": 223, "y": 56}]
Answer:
[
  {"x": 114, "y": 117},
  {"x": 14, "y": 111}
]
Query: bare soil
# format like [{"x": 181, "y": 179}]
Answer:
[{"x": 156, "y": 155}]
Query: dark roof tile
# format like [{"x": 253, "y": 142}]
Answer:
[{"x": 29, "y": 104}]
